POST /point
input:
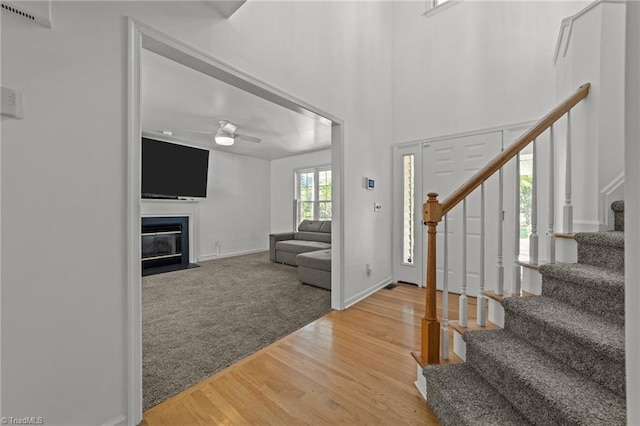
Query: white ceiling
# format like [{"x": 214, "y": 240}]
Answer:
[{"x": 176, "y": 98}]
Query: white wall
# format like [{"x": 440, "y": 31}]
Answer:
[
  {"x": 475, "y": 65},
  {"x": 283, "y": 186},
  {"x": 236, "y": 210},
  {"x": 64, "y": 173},
  {"x": 632, "y": 209},
  {"x": 595, "y": 54}
]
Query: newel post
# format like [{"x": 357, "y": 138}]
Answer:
[{"x": 430, "y": 345}]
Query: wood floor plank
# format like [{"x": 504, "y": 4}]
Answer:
[{"x": 350, "y": 367}]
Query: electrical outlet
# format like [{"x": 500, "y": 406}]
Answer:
[{"x": 368, "y": 269}]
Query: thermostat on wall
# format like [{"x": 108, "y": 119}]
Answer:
[{"x": 369, "y": 183}]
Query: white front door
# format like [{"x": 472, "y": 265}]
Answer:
[{"x": 446, "y": 165}]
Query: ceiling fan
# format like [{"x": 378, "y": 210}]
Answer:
[{"x": 226, "y": 134}]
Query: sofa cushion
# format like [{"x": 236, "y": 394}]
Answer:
[
  {"x": 320, "y": 259},
  {"x": 326, "y": 226},
  {"x": 301, "y": 246},
  {"x": 274, "y": 238},
  {"x": 313, "y": 236},
  {"x": 310, "y": 225}
]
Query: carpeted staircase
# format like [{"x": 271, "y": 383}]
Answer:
[{"x": 560, "y": 357}]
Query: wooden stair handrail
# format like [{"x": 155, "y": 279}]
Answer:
[
  {"x": 433, "y": 211},
  {"x": 503, "y": 158}
]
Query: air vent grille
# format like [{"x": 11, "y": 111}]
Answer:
[
  {"x": 38, "y": 12},
  {"x": 18, "y": 12}
]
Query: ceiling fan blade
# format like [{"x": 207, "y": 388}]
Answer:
[
  {"x": 248, "y": 138},
  {"x": 158, "y": 132},
  {"x": 197, "y": 131}
]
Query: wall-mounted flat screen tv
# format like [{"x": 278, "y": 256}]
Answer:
[{"x": 172, "y": 170}]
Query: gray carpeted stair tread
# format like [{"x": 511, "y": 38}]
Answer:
[
  {"x": 588, "y": 343},
  {"x": 459, "y": 396},
  {"x": 593, "y": 289},
  {"x": 587, "y": 275},
  {"x": 606, "y": 238},
  {"x": 590, "y": 330},
  {"x": 603, "y": 249},
  {"x": 543, "y": 389}
]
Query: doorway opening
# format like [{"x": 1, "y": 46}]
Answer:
[{"x": 143, "y": 37}]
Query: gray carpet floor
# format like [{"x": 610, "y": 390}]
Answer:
[{"x": 198, "y": 321}]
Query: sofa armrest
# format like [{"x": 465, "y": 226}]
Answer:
[{"x": 274, "y": 238}]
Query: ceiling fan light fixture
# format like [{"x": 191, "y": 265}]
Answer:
[{"x": 224, "y": 139}]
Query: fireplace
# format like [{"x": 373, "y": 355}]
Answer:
[{"x": 164, "y": 244}]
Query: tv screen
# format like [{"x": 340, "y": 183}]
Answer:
[{"x": 169, "y": 169}]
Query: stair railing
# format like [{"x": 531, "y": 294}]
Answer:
[{"x": 434, "y": 211}]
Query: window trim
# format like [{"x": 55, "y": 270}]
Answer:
[{"x": 316, "y": 191}]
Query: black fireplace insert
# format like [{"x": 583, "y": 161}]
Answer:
[{"x": 164, "y": 244}]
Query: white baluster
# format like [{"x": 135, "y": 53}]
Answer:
[
  {"x": 551, "y": 232},
  {"x": 463, "y": 308},
  {"x": 516, "y": 249},
  {"x": 568, "y": 208},
  {"x": 500, "y": 265},
  {"x": 445, "y": 293},
  {"x": 533, "y": 238},
  {"x": 482, "y": 300}
]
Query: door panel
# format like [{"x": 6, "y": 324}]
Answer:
[{"x": 447, "y": 164}]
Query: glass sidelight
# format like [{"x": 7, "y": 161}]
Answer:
[{"x": 408, "y": 194}]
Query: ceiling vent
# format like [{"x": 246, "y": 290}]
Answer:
[{"x": 37, "y": 12}]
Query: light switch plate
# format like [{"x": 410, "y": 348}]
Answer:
[{"x": 12, "y": 103}]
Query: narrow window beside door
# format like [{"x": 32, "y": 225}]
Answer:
[{"x": 408, "y": 185}]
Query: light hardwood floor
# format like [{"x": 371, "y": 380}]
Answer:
[{"x": 349, "y": 367}]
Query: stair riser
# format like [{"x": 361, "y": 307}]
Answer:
[
  {"x": 619, "y": 221},
  {"x": 607, "y": 305},
  {"x": 602, "y": 256},
  {"x": 603, "y": 368},
  {"x": 527, "y": 400}
]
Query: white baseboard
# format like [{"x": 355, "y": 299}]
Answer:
[
  {"x": 566, "y": 250},
  {"x": 459, "y": 346},
  {"x": 496, "y": 313},
  {"x": 367, "y": 292},
  {"x": 610, "y": 193},
  {"x": 234, "y": 254},
  {"x": 585, "y": 226},
  {"x": 118, "y": 421},
  {"x": 421, "y": 381},
  {"x": 531, "y": 281}
]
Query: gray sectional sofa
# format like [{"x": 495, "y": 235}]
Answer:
[{"x": 309, "y": 249}]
